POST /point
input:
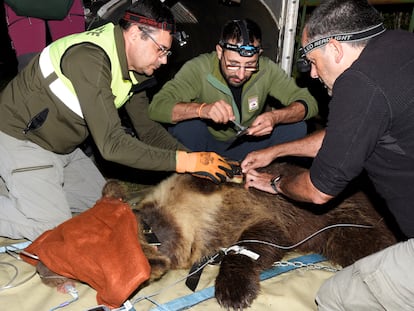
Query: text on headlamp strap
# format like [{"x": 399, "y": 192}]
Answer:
[
  {"x": 347, "y": 37},
  {"x": 132, "y": 17},
  {"x": 243, "y": 50}
]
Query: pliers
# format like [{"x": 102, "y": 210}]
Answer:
[{"x": 241, "y": 130}]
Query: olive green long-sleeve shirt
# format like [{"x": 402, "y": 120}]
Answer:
[
  {"x": 88, "y": 68},
  {"x": 200, "y": 80}
]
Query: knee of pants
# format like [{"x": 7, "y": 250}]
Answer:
[
  {"x": 193, "y": 134},
  {"x": 328, "y": 296},
  {"x": 288, "y": 132}
]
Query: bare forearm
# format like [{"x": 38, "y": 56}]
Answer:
[
  {"x": 300, "y": 188},
  {"x": 219, "y": 111},
  {"x": 296, "y": 186},
  {"x": 304, "y": 147},
  {"x": 295, "y": 112},
  {"x": 185, "y": 111}
]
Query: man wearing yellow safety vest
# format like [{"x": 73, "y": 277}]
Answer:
[{"x": 72, "y": 90}]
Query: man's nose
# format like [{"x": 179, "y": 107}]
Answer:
[
  {"x": 241, "y": 73},
  {"x": 163, "y": 59},
  {"x": 314, "y": 72}
]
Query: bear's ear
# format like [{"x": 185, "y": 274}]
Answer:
[
  {"x": 114, "y": 189},
  {"x": 159, "y": 266},
  {"x": 49, "y": 277}
]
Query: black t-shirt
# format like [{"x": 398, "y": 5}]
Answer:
[
  {"x": 371, "y": 126},
  {"x": 237, "y": 95}
]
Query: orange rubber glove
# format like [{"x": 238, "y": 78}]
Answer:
[{"x": 208, "y": 165}]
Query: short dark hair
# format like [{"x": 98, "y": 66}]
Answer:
[
  {"x": 231, "y": 31},
  {"x": 152, "y": 9},
  {"x": 333, "y": 17}
]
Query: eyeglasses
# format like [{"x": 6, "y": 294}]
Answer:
[
  {"x": 163, "y": 51},
  {"x": 234, "y": 67}
]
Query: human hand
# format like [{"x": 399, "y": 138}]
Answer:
[
  {"x": 219, "y": 111},
  {"x": 207, "y": 165},
  {"x": 260, "y": 181},
  {"x": 262, "y": 125},
  {"x": 257, "y": 159}
]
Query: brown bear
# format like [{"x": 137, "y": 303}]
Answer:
[{"x": 194, "y": 218}]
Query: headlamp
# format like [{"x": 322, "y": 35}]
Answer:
[
  {"x": 304, "y": 65},
  {"x": 135, "y": 18},
  {"x": 181, "y": 37},
  {"x": 243, "y": 50}
]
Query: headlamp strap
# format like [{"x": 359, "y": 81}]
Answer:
[
  {"x": 347, "y": 37},
  {"x": 243, "y": 29},
  {"x": 132, "y": 17},
  {"x": 245, "y": 49}
]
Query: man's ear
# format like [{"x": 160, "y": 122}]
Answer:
[
  {"x": 336, "y": 47},
  {"x": 132, "y": 33},
  {"x": 219, "y": 51}
]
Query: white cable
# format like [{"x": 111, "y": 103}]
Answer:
[
  {"x": 16, "y": 272},
  {"x": 71, "y": 290},
  {"x": 14, "y": 277},
  {"x": 305, "y": 239},
  {"x": 148, "y": 297}
]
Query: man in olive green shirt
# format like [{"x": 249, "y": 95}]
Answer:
[{"x": 230, "y": 84}]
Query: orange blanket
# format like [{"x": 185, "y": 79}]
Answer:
[{"x": 99, "y": 247}]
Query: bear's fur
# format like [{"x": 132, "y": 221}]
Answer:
[{"x": 194, "y": 218}]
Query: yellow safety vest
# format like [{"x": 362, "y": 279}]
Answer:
[{"x": 62, "y": 87}]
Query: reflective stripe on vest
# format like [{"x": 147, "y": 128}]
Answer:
[
  {"x": 57, "y": 87},
  {"x": 62, "y": 87}
]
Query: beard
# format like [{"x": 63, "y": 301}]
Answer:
[{"x": 234, "y": 81}]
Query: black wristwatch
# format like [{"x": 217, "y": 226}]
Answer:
[{"x": 274, "y": 181}]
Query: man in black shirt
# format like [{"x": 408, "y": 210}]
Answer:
[{"x": 369, "y": 73}]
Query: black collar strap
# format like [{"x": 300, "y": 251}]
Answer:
[
  {"x": 347, "y": 37},
  {"x": 149, "y": 235},
  {"x": 132, "y": 17}
]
